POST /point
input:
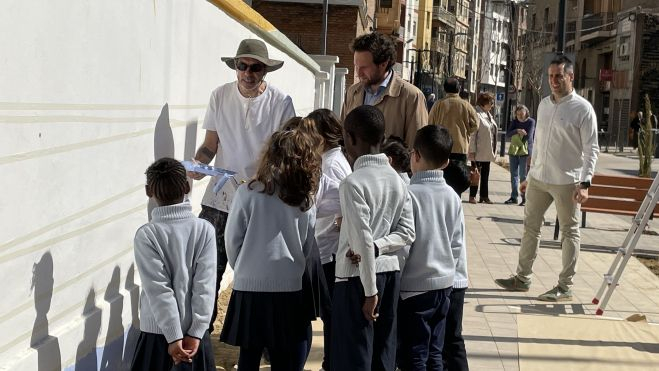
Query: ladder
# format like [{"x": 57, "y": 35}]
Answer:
[{"x": 625, "y": 252}]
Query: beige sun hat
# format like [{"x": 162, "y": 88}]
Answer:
[{"x": 252, "y": 48}]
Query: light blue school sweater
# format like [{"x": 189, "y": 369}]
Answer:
[
  {"x": 440, "y": 237},
  {"x": 267, "y": 241},
  {"x": 176, "y": 257}
]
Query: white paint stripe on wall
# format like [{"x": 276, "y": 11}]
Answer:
[{"x": 92, "y": 91}]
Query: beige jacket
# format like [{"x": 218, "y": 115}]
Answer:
[
  {"x": 484, "y": 141},
  {"x": 403, "y": 106},
  {"x": 459, "y": 117}
]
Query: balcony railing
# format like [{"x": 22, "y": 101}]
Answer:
[
  {"x": 592, "y": 22},
  {"x": 597, "y": 26},
  {"x": 440, "y": 46},
  {"x": 443, "y": 15}
]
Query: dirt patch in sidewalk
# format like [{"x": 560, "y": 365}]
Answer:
[{"x": 651, "y": 263}]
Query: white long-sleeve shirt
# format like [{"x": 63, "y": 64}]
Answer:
[
  {"x": 565, "y": 146},
  {"x": 377, "y": 210},
  {"x": 335, "y": 169}
]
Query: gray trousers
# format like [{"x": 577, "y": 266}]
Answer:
[{"x": 539, "y": 196}]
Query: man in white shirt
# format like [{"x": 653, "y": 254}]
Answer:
[
  {"x": 240, "y": 117},
  {"x": 562, "y": 166}
]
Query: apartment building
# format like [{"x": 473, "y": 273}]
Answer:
[
  {"x": 301, "y": 21},
  {"x": 495, "y": 39},
  {"x": 471, "y": 84}
]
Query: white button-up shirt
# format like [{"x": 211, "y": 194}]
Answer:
[{"x": 565, "y": 147}]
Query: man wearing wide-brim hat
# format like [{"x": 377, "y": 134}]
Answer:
[{"x": 241, "y": 116}]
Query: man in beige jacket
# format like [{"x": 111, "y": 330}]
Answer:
[
  {"x": 461, "y": 120},
  {"x": 403, "y": 104}
]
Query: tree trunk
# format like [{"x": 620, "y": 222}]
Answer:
[{"x": 645, "y": 142}]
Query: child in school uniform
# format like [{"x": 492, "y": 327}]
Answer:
[
  {"x": 377, "y": 220},
  {"x": 454, "y": 354},
  {"x": 335, "y": 168},
  {"x": 430, "y": 267},
  {"x": 270, "y": 232},
  {"x": 398, "y": 155},
  {"x": 176, "y": 258}
]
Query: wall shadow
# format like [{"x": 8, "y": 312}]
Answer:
[
  {"x": 114, "y": 340},
  {"x": 163, "y": 144},
  {"x": 47, "y": 346},
  {"x": 134, "y": 330},
  {"x": 163, "y": 139},
  {"x": 86, "y": 355},
  {"x": 190, "y": 146}
]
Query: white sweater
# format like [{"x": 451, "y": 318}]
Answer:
[
  {"x": 177, "y": 260},
  {"x": 267, "y": 241},
  {"x": 376, "y": 210}
]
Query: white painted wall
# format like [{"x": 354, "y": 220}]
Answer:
[{"x": 91, "y": 93}]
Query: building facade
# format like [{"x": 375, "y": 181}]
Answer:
[
  {"x": 473, "y": 71},
  {"x": 494, "y": 48},
  {"x": 301, "y": 21}
]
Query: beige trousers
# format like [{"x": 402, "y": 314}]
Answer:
[{"x": 539, "y": 196}]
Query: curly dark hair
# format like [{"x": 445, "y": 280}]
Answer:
[
  {"x": 290, "y": 166},
  {"x": 381, "y": 47},
  {"x": 395, "y": 148},
  {"x": 167, "y": 180},
  {"x": 307, "y": 126},
  {"x": 328, "y": 127}
]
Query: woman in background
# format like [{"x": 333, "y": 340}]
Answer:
[
  {"x": 482, "y": 145},
  {"x": 520, "y": 132}
]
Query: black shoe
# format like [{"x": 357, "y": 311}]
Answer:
[
  {"x": 510, "y": 201},
  {"x": 522, "y": 203}
]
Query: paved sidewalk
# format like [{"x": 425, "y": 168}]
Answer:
[
  {"x": 490, "y": 316},
  {"x": 490, "y": 325}
]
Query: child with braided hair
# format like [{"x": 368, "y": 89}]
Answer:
[{"x": 176, "y": 257}]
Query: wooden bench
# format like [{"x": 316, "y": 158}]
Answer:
[{"x": 614, "y": 194}]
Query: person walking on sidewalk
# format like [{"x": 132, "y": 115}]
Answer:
[
  {"x": 482, "y": 146},
  {"x": 562, "y": 166},
  {"x": 521, "y": 133},
  {"x": 461, "y": 120}
]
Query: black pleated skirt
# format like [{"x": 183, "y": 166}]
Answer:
[
  {"x": 266, "y": 319},
  {"x": 315, "y": 288},
  {"x": 151, "y": 354}
]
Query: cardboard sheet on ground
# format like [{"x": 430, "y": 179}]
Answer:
[{"x": 586, "y": 343}]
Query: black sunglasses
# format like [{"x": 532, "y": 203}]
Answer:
[{"x": 256, "y": 67}]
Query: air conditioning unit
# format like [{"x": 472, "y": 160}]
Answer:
[{"x": 623, "y": 49}]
